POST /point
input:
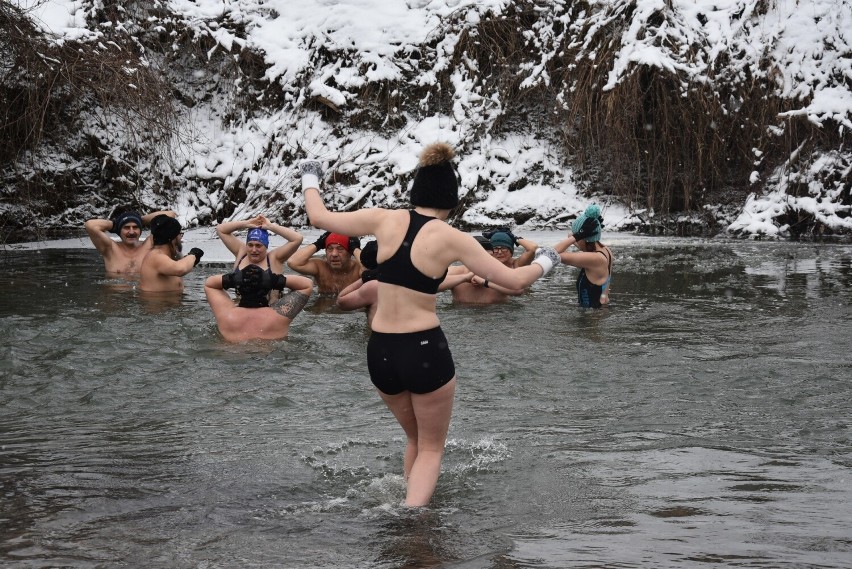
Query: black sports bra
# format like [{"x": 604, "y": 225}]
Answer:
[{"x": 399, "y": 270}]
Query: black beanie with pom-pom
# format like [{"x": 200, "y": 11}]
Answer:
[{"x": 436, "y": 182}]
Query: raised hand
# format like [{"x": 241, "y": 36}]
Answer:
[
  {"x": 320, "y": 242},
  {"x": 311, "y": 171},
  {"x": 590, "y": 227},
  {"x": 198, "y": 254},
  {"x": 546, "y": 258}
]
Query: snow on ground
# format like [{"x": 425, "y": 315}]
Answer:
[{"x": 812, "y": 65}]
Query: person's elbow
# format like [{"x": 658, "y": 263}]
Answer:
[
  {"x": 93, "y": 226},
  {"x": 300, "y": 284}
]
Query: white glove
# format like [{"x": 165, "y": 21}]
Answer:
[
  {"x": 547, "y": 257},
  {"x": 311, "y": 171}
]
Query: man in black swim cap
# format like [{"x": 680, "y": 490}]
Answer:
[
  {"x": 162, "y": 271},
  {"x": 254, "y": 318},
  {"x": 122, "y": 257}
]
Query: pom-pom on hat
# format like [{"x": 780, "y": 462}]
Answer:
[
  {"x": 164, "y": 228},
  {"x": 435, "y": 182},
  {"x": 259, "y": 235},
  {"x": 337, "y": 239},
  {"x": 500, "y": 239},
  {"x": 592, "y": 212}
]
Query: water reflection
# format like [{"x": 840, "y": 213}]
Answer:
[
  {"x": 702, "y": 416},
  {"x": 414, "y": 540},
  {"x": 159, "y": 302}
]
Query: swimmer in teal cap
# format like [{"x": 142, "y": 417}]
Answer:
[
  {"x": 593, "y": 258},
  {"x": 124, "y": 256},
  {"x": 255, "y": 249}
]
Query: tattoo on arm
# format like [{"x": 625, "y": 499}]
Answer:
[{"x": 291, "y": 304}]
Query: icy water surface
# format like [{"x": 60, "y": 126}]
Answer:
[{"x": 702, "y": 420}]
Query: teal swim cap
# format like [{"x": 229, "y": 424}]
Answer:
[
  {"x": 500, "y": 239},
  {"x": 592, "y": 212}
]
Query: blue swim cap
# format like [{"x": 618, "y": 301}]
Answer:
[
  {"x": 592, "y": 212},
  {"x": 259, "y": 235}
]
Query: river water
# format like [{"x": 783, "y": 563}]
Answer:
[{"x": 703, "y": 419}]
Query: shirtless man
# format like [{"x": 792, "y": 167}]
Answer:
[
  {"x": 254, "y": 318},
  {"x": 478, "y": 290},
  {"x": 162, "y": 271},
  {"x": 338, "y": 270},
  {"x": 123, "y": 257}
]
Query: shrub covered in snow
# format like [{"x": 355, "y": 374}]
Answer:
[{"x": 678, "y": 116}]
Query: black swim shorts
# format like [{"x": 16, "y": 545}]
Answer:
[{"x": 419, "y": 362}]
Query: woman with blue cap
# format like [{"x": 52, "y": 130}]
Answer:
[
  {"x": 593, "y": 258},
  {"x": 255, "y": 249}
]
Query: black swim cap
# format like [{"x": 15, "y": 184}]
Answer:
[
  {"x": 253, "y": 284},
  {"x": 164, "y": 228}
]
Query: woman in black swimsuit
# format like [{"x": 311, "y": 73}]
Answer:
[
  {"x": 593, "y": 258},
  {"x": 408, "y": 356}
]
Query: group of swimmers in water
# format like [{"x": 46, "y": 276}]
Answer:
[{"x": 396, "y": 277}]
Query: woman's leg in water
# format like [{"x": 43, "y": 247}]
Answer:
[{"x": 425, "y": 418}]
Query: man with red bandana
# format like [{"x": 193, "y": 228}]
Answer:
[
  {"x": 337, "y": 270},
  {"x": 122, "y": 257}
]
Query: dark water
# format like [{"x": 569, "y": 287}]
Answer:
[{"x": 703, "y": 420}]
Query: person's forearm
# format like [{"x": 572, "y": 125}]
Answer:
[
  {"x": 285, "y": 232},
  {"x": 528, "y": 244},
  {"x": 300, "y": 260},
  {"x": 501, "y": 289},
  {"x": 314, "y": 206},
  {"x": 228, "y": 227},
  {"x": 452, "y": 281},
  {"x": 563, "y": 245},
  {"x": 98, "y": 225},
  {"x": 146, "y": 219},
  {"x": 214, "y": 282}
]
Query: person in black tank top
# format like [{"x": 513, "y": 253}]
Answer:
[{"x": 408, "y": 355}]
